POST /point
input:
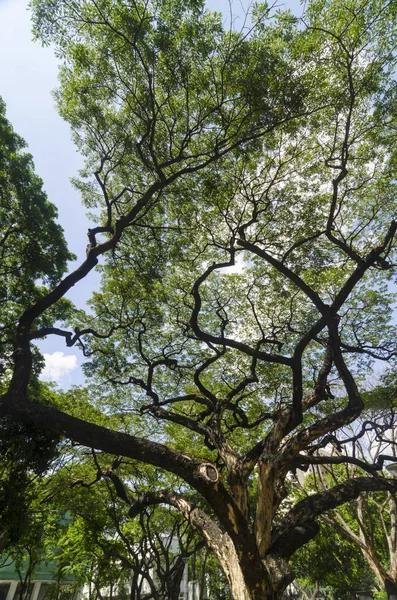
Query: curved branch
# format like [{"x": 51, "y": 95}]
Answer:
[
  {"x": 122, "y": 444},
  {"x": 297, "y": 525},
  {"x": 282, "y": 268},
  {"x": 71, "y": 338},
  {"x": 305, "y": 461},
  {"x": 221, "y": 340}
]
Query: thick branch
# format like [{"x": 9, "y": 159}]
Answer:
[
  {"x": 121, "y": 444},
  {"x": 294, "y": 528}
]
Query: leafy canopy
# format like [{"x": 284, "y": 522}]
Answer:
[
  {"x": 272, "y": 148},
  {"x": 33, "y": 251}
]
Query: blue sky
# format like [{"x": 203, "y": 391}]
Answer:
[{"x": 28, "y": 74}]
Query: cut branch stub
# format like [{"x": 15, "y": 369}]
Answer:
[{"x": 209, "y": 472}]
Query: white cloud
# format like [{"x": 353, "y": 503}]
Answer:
[{"x": 58, "y": 366}]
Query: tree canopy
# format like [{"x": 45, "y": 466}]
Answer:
[
  {"x": 33, "y": 249},
  {"x": 33, "y": 258},
  {"x": 242, "y": 189}
]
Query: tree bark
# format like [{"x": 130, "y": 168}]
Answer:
[{"x": 391, "y": 588}]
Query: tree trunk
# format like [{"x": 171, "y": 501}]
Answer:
[
  {"x": 391, "y": 589},
  {"x": 173, "y": 580},
  {"x": 248, "y": 585},
  {"x": 249, "y": 577}
]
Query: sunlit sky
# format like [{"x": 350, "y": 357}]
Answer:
[{"x": 28, "y": 74}]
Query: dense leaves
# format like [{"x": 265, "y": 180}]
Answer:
[
  {"x": 33, "y": 257},
  {"x": 334, "y": 565},
  {"x": 26, "y": 454},
  {"x": 33, "y": 251}
]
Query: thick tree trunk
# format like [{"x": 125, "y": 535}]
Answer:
[
  {"x": 251, "y": 585},
  {"x": 391, "y": 589},
  {"x": 238, "y": 589},
  {"x": 248, "y": 577}
]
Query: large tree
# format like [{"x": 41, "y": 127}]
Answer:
[{"x": 273, "y": 148}]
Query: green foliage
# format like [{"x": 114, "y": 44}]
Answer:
[
  {"x": 26, "y": 454},
  {"x": 149, "y": 108},
  {"x": 283, "y": 187},
  {"x": 33, "y": 251},
  {"x": 271, "y": 148},
  {"x": 383, "y": 396},
  {"x": 160, "y": 88},
  {"x": 331, "y": 562},
  {"x": 102, "y": 547},
  {"x": 33, "y": 258},
  {"x": 35, "y": 546}
]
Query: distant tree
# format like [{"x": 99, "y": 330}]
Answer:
[
  {"x": 272, "y": 148},
  {"x": 33, "y": 543},
  {"x": 33, "y": 258},
  {"x": 367, "y": 524},
  {"x": 26, "y": 453},
  {"x": 33, "y": 251},
  {"x": 103, "y": 548},
  {"x": 330, "y": 564}
]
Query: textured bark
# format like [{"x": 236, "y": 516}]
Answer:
[
  {"x": 219, "y": 542},
  {"x": 265, "y": 508}
]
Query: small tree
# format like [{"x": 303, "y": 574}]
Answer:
[
  {"x": 369, "y": 521},
  {"x": 330, "y": 565},
  {"x": 105, "y": 550}
]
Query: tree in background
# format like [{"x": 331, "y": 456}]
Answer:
[
  {"x": 33, "y": 258},
  {"x": 330, "y": 564},
  {"x": 114, "y": 555},
  {"x": 369, "y": 521},
  {"x": 33, "y": 251},
  {"x": 206, "y": 148},
  {"x": 26, "y": 453},
  {"x": 369, "y": 524}
]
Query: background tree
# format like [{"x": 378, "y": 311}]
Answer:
[
  {"x": 34, "y": 545},
  {"x": 330, "y": 564},
  {"x": 102, "y": 547},
  {"x": 276, "y": 145},
  {"x": 33, "y": 258},
  {"x": 33, "y": 251},
  {"x": 26, "y": 454},
  {"x": 369, "y": 521}
]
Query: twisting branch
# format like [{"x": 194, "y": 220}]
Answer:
[{"x": 298, "y": 524}]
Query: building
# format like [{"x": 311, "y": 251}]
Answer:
[{"x": 42, "y": 586}]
